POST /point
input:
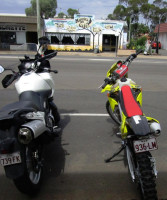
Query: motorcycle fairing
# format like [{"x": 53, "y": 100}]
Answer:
[
  {"x": 124, "y": 130},
  {"x": 128, "y": 103},
  {"x": 113, "y": 103},
  {"x": 107, "y": 88}
]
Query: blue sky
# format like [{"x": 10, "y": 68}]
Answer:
[{"x": 99, "y": 8}]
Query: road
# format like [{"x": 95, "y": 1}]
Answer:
[{"x": 74, "y": 163}]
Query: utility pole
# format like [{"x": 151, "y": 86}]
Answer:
[{"x": 38, "y": 19}]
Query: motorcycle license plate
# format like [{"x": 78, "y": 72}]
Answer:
[
  {"x": 145, "y": 145},
  {"x": 10, "y": 159}
]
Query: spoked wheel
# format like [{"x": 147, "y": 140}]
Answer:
[
  {"x": 114, "y": 115},
  {"x": 146, "y": 177},
  {"x": 29, "y": 183}
]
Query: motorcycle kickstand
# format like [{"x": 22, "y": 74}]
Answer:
[{"x": 115, "y": 154}]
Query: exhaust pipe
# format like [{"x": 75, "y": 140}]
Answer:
[
  {"x": 155, "y": 128},
  {"x": 31, "y": 130}
]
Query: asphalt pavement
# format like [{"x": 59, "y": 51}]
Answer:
[{"x": 74, "y": 167}]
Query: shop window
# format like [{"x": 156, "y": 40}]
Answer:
[
  {"x": 81, "y": 40},
  {"x": 67, "y": 40},
  {"x": 54, "y": 40}
]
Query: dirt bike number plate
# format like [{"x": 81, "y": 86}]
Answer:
[
  {"x": 10, "y": 159},
  {"x": 145, "y": 145}
]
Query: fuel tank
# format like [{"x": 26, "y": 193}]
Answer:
[{"x": 36, "y": 82}]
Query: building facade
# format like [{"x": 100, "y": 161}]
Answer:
[
  {"x": 161, "y": 30},
  {"x": 84, "y": 33},
  {"x": 16, "y": 30}
]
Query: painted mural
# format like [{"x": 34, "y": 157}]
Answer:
[
  {"x": 80, "y": 22},
  {"x": 78, "y": 25}
]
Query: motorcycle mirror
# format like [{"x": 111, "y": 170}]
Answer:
[
  {"x": 1, "y": 69},
  {"x": 43, "y": 40}
]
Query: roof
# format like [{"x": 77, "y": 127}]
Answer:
[
  {"x": 162, "y": 28},
  {"x": 18, "y": 19}
]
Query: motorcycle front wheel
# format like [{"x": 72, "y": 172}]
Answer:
[
  {"x": 29, "y": 183},
  {"x": 114, "y": 115}
]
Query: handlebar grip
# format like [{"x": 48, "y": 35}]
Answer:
[
  {"x": 106, "y": 82},
  {"x": 104, "y": 85}
]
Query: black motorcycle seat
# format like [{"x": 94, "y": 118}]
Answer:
[{"x": 8, "y": 111}]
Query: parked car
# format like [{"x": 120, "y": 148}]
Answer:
[{"x": 154, "y": 45}]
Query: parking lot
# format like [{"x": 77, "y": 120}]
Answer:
[{"x": 74, "y": 163}]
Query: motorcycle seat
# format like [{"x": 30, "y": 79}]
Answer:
[
  {"x": 9, "y": 111},
  {"x": 128, "y": 102}
]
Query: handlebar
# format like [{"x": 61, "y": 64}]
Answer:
[
  {"x": 107, "y": 81},
  {"x": 132, "y": 56},
  {"x": 48, "y": 56}
]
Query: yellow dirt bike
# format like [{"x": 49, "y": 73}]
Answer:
[{"x": 137, "y": 131}]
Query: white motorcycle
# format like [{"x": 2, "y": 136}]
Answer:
[{"x": 26, "y": 125}]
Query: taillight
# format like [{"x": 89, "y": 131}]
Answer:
[{"x": 4, "y": 151}]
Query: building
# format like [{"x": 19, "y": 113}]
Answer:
[
  {"x": 16, "y": 30},
  {"x": 162, "y": 29},
  {"x": 84, "y": 33}
]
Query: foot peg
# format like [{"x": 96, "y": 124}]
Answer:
[{"x": 56, "y": 131}]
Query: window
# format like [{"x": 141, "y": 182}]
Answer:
[
  {"x": 69, "y": 39},
  {"x": 54, "y": 40}
]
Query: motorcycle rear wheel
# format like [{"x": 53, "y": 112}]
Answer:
[
  {"x": 141, "y": 170},
  {"x": 114, "y": 115},
  {"x": 146, "y": 177},
  {"x": 29, "y": 183}
]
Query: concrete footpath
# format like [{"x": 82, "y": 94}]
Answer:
[{"x": 162, "y": 54}]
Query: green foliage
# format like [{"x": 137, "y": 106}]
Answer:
[
  {"x": 120, "y": 12},
  {"x": 110, "y": 16},
  {"x": 71, "y": 12},
  {"x": 47, "y": 8},
  {"x": 130, "y": 10},
  {"x": 139, "y": 29},
  {"x": 61, "y": 15},
  {"x": 137, "y": 44}
]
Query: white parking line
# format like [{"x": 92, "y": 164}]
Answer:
[
  {"x": 101, "y": 59},
  {"x": 85, "y": 114}
]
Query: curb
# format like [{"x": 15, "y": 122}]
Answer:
[{"x": 88, "y": 54}]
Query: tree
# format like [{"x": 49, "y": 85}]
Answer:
[
  {"x": 71, "y": 12},
  {"x": 110, "y": 16},
  {"x": 120, "y": 12},
  {"x": 61, "y": 15},
  {"x": 47, "y": 8}
]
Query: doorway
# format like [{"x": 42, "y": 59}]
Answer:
[{"x": 109, "y": 42}]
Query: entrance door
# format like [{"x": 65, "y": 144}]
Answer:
[{"x": 109, "y": 42}]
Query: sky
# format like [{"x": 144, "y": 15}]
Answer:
[{"x": 99, "y": 8}]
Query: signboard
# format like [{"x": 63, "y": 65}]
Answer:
[
  {"x": 82, "y": 22},
  {"x": 4, "y": 27}
]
